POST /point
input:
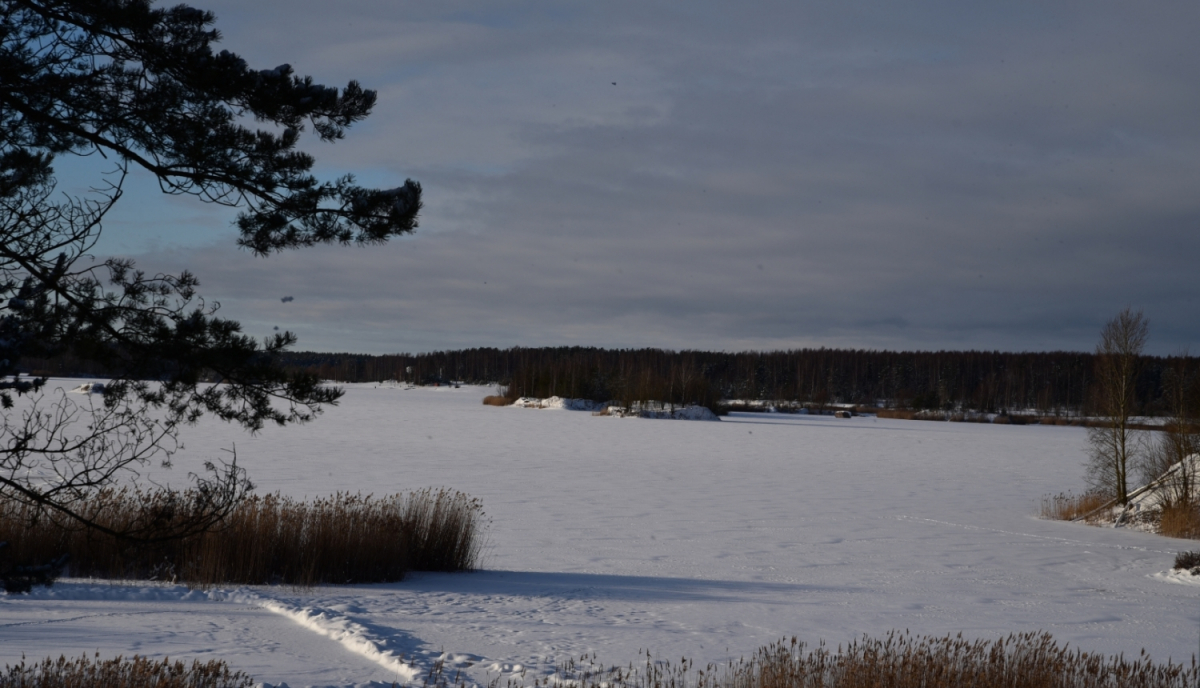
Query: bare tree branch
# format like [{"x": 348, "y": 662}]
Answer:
[{"x": 142, "y": 87}]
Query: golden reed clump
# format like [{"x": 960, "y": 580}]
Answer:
[
  {"x": 1180, "y": 521},
  {"x": 137, "y": 672},
  {"x": 266, "y": 539},
  {"x": 899, "y": 660},
  {"x": 1066, "y": 506}
]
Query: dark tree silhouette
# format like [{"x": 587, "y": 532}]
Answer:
[
  {"x": 1115, "y": 446},
  {"x": 1054, "y": 382},
  {"x": 136, "y": 86}
]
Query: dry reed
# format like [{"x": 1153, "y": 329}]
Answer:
[
  {"x": 1066, "y": 506},
  {"x": 1017, "y": 419},
  {"x": 137, "y": 672},
  {"x": 268, "y": 539},
  {"x": 1180, "y": 521},
  {"x": 1055, "y": 420},
  {"x": 899, "y": 660},
  {"x": 494, "y": 400}
]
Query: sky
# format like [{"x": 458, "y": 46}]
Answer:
[{"x": 721, "y": 176}]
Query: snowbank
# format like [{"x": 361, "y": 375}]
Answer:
[
  {"x": 678, "y": 413},
  {"x": 650, "y": 409},
  {"x": 1179, "y": 576},
  {"x": 1145, "y": 499},
  {"x": 558, "y": 403}
]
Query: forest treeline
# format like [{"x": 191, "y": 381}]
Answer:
[{"x": 987, "y": 381}]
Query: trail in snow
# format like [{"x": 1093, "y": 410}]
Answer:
[{"x": 355, "y": 637}]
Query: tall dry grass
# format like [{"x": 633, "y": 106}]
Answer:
[
  {"x": 1066, "y": 506},
  {"x": 899, "y": 660},
  {"x": 268, "y": 539},
  {"x": 1180, "y": 521},
  {"x": 901, "y": 414},
  {"x": 137, "y": 672}
]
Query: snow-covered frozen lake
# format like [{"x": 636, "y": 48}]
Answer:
[{"x": 697, "y": 539}]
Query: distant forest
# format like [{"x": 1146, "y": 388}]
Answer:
[
  {"x": 994, "y": 382},
  {"x": 989, "y": 381}
]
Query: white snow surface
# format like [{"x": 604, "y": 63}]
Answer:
[
  {"x": 704, "y": 540},
  {"x": 1150, "y": 497},
  {"x": 558, "y": 403}
]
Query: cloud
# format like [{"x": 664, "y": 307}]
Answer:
[{"x": 785, "y": 175}]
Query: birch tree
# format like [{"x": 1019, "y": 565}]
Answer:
[{"x": 1114, "y": 446}]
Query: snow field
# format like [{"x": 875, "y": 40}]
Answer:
[{"x": 609, "y": 535}]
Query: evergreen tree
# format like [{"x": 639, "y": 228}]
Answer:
[{"x": 142, "y": 87}]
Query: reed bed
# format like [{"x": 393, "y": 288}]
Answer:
[
  {"x": 1180, "y": 521},
  {"x": 1066, "y": 506},
  {"x": 1057, "y": 420},
  {"x": 900, "y": 414},
  {"x": 266, "y": 539},
  {"x": 899, "y": 660},
  {"x": 137, "y": 672}
]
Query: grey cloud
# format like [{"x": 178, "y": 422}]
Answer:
[{"x": 928, "y": 176}]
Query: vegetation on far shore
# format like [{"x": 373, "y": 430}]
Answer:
[{"x": 1048, "y": 383}]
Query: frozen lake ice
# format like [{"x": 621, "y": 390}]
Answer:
[{"x": 697, "y": 539}]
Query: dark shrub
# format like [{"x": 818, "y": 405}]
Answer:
[{"x": 1187, "y": 560}]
